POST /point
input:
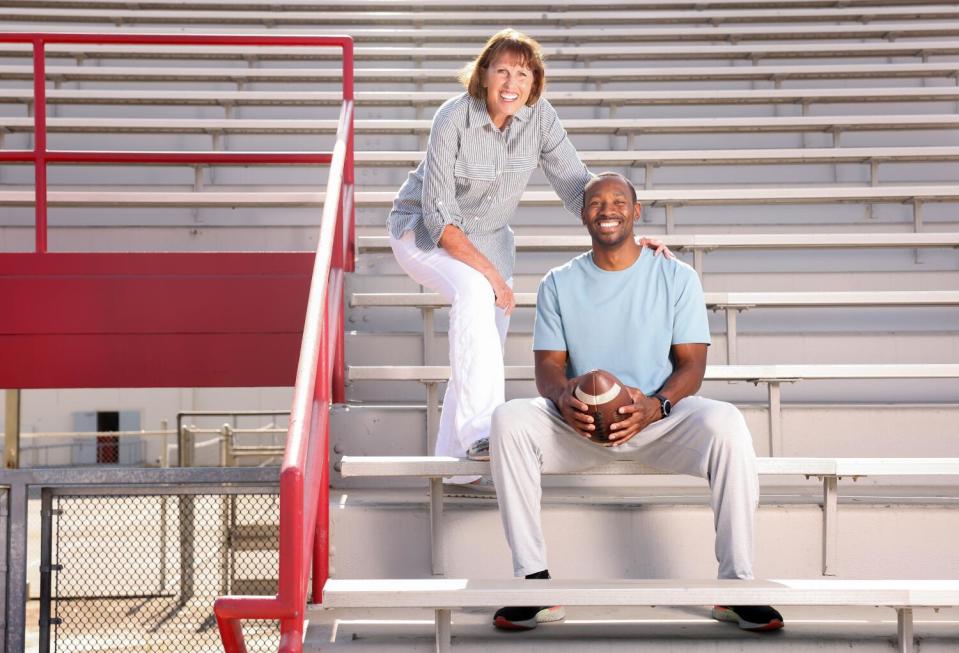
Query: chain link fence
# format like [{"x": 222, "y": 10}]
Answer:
[{"x": 140, "y": 572}]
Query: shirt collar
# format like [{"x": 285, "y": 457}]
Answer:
[{"x": 479, "y": 116}]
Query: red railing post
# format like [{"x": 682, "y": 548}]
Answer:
[{"x": 40, "y": 144}]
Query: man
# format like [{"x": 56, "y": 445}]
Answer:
[{"x": 643, "y": 318}]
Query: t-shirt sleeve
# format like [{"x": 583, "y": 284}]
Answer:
[
  {"x": 548, "y": 334},
  {"x": 690, "y": 323}
]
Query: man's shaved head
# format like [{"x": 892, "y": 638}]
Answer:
[{"x": 608, "y": 175}]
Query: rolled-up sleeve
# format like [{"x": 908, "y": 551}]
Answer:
[
  {"x": 439, "y": 203},
  {"x": 560, "y": 161}
]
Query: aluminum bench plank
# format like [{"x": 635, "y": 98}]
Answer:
[
  {"x": 919, "y": 48},
  {"x": 429, "y": 98},
  {"x": 705, "y": 73},
  {"x": 574, "y": 126},
  {"x": 174, "y": 12},
  {"x": 712, "y": 196},
  {"x": 457, "y": 5},
  {"x": 713, "y": 299},
  {"x": 581, "y": 243},
  {"x": 712, "y": 157},
  {"x": 574, "y": 35},
  {"x": 439, "y": 466},
  {"x": 749, "y": 373},
  {"x": 468, "y": 593}
]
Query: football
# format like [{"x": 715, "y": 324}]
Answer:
[{"x": 604, "y": 394}]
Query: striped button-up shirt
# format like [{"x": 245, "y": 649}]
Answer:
[{"x": 473, "y": 176}]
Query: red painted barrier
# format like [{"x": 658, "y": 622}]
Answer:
[{"x": 69, "y": 282}]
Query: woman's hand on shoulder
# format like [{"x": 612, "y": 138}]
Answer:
[{"x": 656, "y": 245}]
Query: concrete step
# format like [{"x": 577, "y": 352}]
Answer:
[
  {"x": 835, "y": 430},
  {"x": 658, "y": 533},
  {"x": 630, "y": 630}
]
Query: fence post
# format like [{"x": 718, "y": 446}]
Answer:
[
  {"x": 46, "y": 566},
  {"x": 12, "y": 430}
]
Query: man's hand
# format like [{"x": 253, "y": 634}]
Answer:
[
  {"x": 574, "y": 411},
  {"x": 644, "y": 411}
]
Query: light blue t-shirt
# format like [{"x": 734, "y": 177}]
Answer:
[{"x": 623, "y": 322}]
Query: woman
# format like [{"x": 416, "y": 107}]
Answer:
[{"x": 449, "y": 226}]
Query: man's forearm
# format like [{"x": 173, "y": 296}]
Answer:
[
  {"x": 551, "y": 381},
  {"x": 685, "y": 381}
]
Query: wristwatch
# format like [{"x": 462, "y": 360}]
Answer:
[{"x": 665, "y": 405}]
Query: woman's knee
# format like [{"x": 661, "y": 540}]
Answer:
[{"x": 472, "y": 288}]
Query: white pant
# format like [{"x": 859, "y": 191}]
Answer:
[
  {"x": 477, "y": 334},
  {"x": 701, "y": 437}
]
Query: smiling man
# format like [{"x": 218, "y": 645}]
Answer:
[{"x": 643, "y": 318}]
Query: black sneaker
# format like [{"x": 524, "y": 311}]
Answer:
[
  {"x": 528, "y": 617},
  {"x": 756, "y": 618}
]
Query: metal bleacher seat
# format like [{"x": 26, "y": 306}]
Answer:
[
  {"x": 171, "y": 11},
  {"x": 433, "y": 98},
  {"x": 751, "y": 51},
  {"x": 631, "y": 128}
]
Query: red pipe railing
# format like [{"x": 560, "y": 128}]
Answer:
[{"x": 304, "y": 482}]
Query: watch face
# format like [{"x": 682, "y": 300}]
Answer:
[{"x": 667, "y": 407}]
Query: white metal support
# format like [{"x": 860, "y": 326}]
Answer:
[
  {"x": 731, "y": 351},
  {"x": 648, "y": 181},
  {"x": 698, "y": 261},
  {"x": 432, "y": 413},
  {"x": 830, "y": 515},
  {"x": 775, "y": 419},
  {"x": 444, "y": 637},
  {"x": 670, "y": 223},
  {"x": 429, "y": 335},
  {"x": 904, "y": 630},
  {"x": 437, "y": 541},
  {"x": 917, "y": 224},
  {"x": 873, "y": 181},
  {"x": 226, "y": 444}
]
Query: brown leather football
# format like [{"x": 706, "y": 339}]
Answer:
[{"x": 604, "y": 394}]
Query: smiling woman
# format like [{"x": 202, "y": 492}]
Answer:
[{"x": 449, "y": 226}]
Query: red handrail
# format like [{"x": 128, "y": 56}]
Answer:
[{"x": 304, "y": 482}]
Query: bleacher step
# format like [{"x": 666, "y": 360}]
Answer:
[
  {"x": 632, "y": 630},
  {"x": 400, "y": 430},
  {"x": 658, "y": 533}
]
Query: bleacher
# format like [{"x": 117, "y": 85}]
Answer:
[{"x": 802, "y": 155}]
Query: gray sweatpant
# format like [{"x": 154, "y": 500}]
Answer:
[{"x": 701, "y": 437}]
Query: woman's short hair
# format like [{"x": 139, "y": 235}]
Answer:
[{"x": 512, "y": 42}]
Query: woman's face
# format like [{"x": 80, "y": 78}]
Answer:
[{"x": 508, "y": 83}]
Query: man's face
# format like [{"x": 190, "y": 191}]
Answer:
[{"x": 609, "y": 212}]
